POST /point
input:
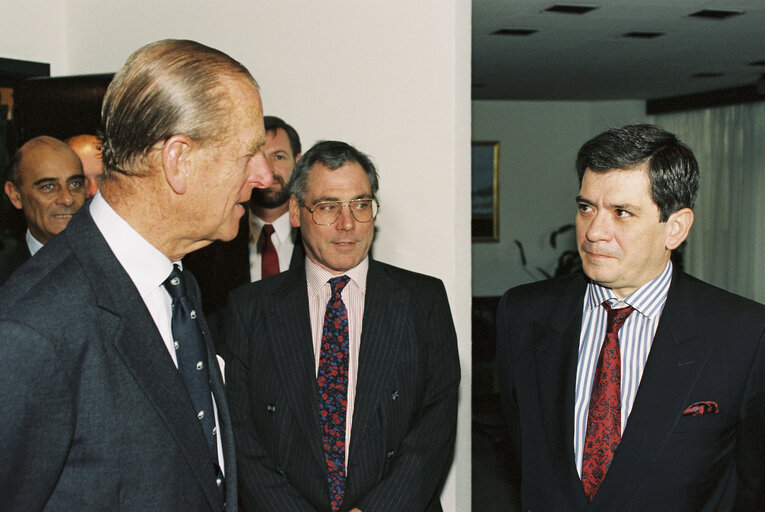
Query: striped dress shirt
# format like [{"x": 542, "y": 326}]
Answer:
[
  {"x": 635, "y": 339},
  {"x": 319, "y": 292}
]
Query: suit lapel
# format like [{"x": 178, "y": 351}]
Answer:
[
  {"x": 556, "y": 352},
  {"x": 381, "y": 336},
  {"x": 127, "y": 322},
  {"x": 674, "y": 364},
  {"x": 288, "y": 330}
]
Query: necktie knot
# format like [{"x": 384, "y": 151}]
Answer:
[
  {"x": 174, "y": 283},
  {"x": 337, "y": 284},
  {"x": 617, "y": 317},
  {"x": 265, "y": 235}
]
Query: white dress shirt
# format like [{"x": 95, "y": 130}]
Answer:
[
  {"x": 281, "y": 238},
  {"x": 319, "y": 293},
  {"x": 32, "y": 244},
  {"x": 148, "y": 268}
]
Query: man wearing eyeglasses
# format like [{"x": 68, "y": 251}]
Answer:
[{"x": 343, "y": 373}]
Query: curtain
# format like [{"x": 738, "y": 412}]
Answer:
[{"x": 726, "y": 246}]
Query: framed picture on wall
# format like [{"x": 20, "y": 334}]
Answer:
[{"x": 485, "y": 191}]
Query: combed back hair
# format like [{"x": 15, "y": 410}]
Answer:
[
  {"x": 165, "y": 88},
  {"x": 273, "y": 123},
  {"x": 672, "y": 168},
  {"x": 333, "y": 155}
]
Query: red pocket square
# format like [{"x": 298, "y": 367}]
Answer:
[{"x": 700, "y": 408}]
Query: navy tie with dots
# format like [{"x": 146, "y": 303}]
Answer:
[
  {"x": 332, "y": 379},
  {"x": 191, "y": 353}
]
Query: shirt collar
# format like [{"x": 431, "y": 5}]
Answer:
[
  {"x": 145, "y": 264},
  {"x": 317, "y": 277},
  {"x": 648, "y": 300},
  {"x": 32, "y": 243},
  {"x": 282, "y": 226}
]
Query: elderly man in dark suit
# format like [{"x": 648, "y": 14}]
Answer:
[
  {"x": 112, "y": 396},
  {"x": 634, "y": 387},
  {"x": 266, "y": 243},
  {"x": 343, "y": 373}
]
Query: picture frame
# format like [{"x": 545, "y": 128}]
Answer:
[{"x": 485, "y": 191}]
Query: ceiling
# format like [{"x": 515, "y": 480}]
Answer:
[{"x": 586, "y": 56}]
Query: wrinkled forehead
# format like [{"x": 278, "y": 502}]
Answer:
[{"x": 49, "y": 162}]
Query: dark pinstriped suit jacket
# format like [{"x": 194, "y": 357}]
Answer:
[{"x": 406, "y": 396}]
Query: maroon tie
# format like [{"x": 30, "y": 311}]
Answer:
[
  {"x": 269, "y": 261},
  {"x": 604, "y": 419}
]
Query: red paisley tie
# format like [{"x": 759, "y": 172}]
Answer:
[{"x": 604, "y": 419}]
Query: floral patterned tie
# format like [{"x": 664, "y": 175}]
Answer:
[
  {"x": 333, "y": 389},
  {"x": 604, "y": 419}
]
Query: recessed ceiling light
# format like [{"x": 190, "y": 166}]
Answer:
[
  {"x": 514, "y": 32},
  {"x": 571, "y": 9},
  {"x": 706, "y": 75},
  {"x": 715, "y": 14},
  {"x": 643, "y": 35}
]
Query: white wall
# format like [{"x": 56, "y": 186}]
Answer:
[
  {"x": 538, "y": 183},
  {"x": 34, "y": 30},
  {"x": 392, "y": 78}
]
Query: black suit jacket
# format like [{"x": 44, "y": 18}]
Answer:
[
  {"x": 13, "y": 259},
  {"x": 708, "y": 347},
  {"x": 223, "y": 266},
  {"x": 95, "y": 414},
  {"x": 406, "y": 396}
]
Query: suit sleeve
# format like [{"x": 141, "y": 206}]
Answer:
[
  {"x": 750, "y": 450},
  {"x": 424, "y": 456},
  {"x": 261, "y": 487},
  {"x": 506, "y": 379},
  {"x": 38, "y": 418}
]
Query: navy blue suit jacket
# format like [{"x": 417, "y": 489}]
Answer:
[
  {"x": 709, "y": 346},
  {"x": 95, "y": 414},
  {"x": 405, "y": 411}
]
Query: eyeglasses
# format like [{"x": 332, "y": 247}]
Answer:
[{"x": 326, "y": 213}]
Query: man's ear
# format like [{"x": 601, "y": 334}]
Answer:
[
  {"x": 294, "y": 211},
  {"x": 13, "y": 194},
  {"x": 176, "y": 162},
  {"x": 678, "y": 226},
  {"x": 298, "y": 157}
]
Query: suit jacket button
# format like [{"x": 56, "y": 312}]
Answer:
[
  {"x": 280, "y": 470},
  {"x": 394, "y": 395},
  {"x": 391, "y": 453},
  {"x": 271, "y": 408}
]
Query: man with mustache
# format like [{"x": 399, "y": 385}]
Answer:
[
  {"x": 265, "y": 244},
  {"x": 342, "y": 373},
  {"x": 634, "y": 387},
  {"x": 47, "y": 184}
]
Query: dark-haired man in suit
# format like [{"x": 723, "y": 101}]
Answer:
[
  {"x": 343, "y": 373},
  {"x": 634, "y": 387},
  {"x": 111, "y": 392}
]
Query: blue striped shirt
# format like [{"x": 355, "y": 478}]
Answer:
[{"x": 635, "y": 339}]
